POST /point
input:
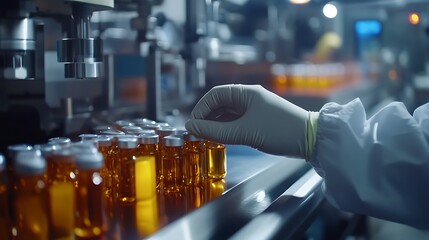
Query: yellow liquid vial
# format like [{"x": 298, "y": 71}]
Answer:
[
  {"x": 147, "y": 178},
  {"x": 215, "y": 160},
  {"x": 30, "y": 205},
  {"x": 147, "y": 219}
]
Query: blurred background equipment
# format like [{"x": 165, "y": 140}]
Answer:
[{"x": 68, "y": 67}]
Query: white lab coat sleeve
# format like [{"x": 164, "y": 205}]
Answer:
[{"x": 377, "y": 167}]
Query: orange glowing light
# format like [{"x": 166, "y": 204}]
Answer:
[{"x": 414, "y": 18}]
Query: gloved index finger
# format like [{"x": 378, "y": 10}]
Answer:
[{"x": 220, "y": 99}]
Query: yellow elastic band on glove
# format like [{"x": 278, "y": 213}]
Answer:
[{"x": 311, "y": 133}]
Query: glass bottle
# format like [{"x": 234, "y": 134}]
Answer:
[
  {"x": 90, "y": 216},
  {"x": 30, "y": 205},
  {"x": 12, "y": 152},
  {"x": 105, "y": 148},
  {"x": 146, "y": 166},
  {"x": 172, "y": 163},
  {"x": 215, "y": 160},
  {"x": 126, "y": 190},
  {"x": 194, "y": 157},
  {"x": 61, "y": 177},
  {"x": 211, "y": 189},
  {"x": 5, "y": 226}
]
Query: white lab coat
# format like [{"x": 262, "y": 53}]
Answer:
[{"x": 378, "y": 167}]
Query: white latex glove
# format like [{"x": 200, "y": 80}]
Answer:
[{"x": 251, "y": 115}]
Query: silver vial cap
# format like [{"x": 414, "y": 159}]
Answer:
[
  {"x": 104, "y": 141},
  {"x": 112, "y": 132},
  {"x": 89, "y": 160},
  {"x": 99, "y": 129},
  {"x": 12, "y": 150},
  {"x": 63, "y": 141},
  {"x": 192, "y": 138},
  {"x": 127, "y": 142},
  {"x": 30, "y": 163},
  {"x": 140, "y": 121},
  {"x": 47, "y": 148},
  {"x": 88, "y": 136},
  {"x": 123, "y": 123},
  {"x": 148, "y": 138},
  {"x": 150, "y": 126},
  {"x": 173, "y": 141},
  {"x": 133, "y": 130},
  {"x": 180, "y": 132},
  {"x": 165, "y": 131}
]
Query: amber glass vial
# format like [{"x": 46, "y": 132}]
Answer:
[
  {"x": 105, "y": 148},
  {"x": 90, "y": 215},
  {"x": 61, "y": 175},
  {"x": 172, "y": 163},
  {"x": 194, "y": 157},
  {"x": 146, "y": 166},
  {"x": 126, "y": 169},
  {"x": 30, "y": 206},
  {"x": 215, "y": 160},
  {"x": 211, "y": 189},
  {"x": 5, "y": 226}
]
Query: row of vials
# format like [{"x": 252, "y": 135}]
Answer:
[{"x": 124, "y": 181}]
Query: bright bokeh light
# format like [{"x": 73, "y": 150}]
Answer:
[
  {"x": 330, "y": 10},
  {"x": 414, "y": 18},
  {"x": 299, "y": 1}
]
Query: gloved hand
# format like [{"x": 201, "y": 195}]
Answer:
[{"x": 251, "y": 115}]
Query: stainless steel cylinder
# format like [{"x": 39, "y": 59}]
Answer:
[
  {"x": 17, "y": 34},
  {"x": 83, "y": 70},
  {"x": 75, "y": 50}
]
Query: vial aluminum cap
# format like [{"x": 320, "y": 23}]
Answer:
[
  {"x": 84, "y": 146},
  {"x": 2, "y": 163},
  {"x": 181, "y": 132},
  {"x": 148, "y": 138},
  {"x": 87, "y": 136},
  {"x": 165, "y": 131},
  {"x": 112, "y": 132},
  {"x": 30, "y": 163},
  {"x": 133, "y": 130},
  {"x": 192, "y": 138},
  {"x": 150, "y": 126},
  {"x": 148, "y": 131},
  {"x": 99, "y": 129},
  {"x": 123, "y": 123},
  {"x": 163, "y": 124},
  {"x": 12, "y": 150},
  {"x": 173, "y": 141},
  {"x": 89, "y": 160},
  {"x": 47, "y": 148},
  {"x": 104, "y": 141},
  {"x": 63, "y": 141},
  {"x": 140, "y": 121},
  {"x": 127, "y": 142}
]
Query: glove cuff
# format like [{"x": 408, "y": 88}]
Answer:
[{"x": 311, "y": 133}]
